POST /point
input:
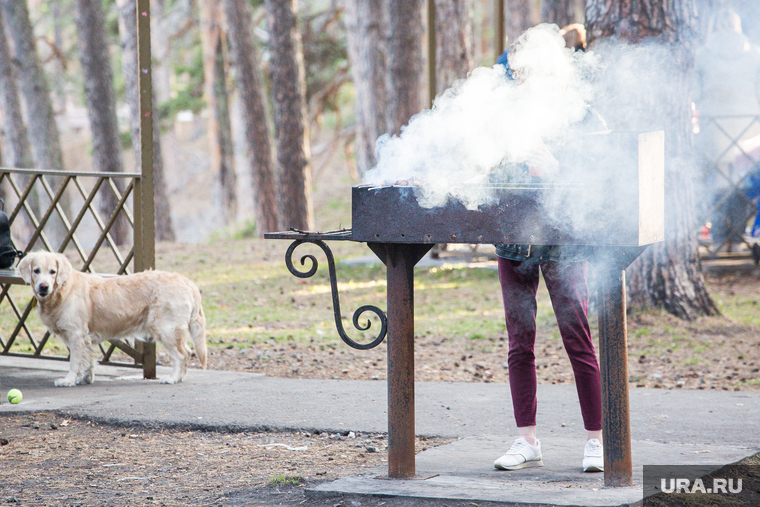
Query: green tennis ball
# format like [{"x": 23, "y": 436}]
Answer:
[{"x": 15, "y": 396}]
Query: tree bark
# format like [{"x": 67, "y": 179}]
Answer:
[
  {"x": 245, "y": 59},
  {"x": 16, "y": 149},
  {"x": 128, "y": 35},
  {"x": 520, "y": 16},
  {"x": 404, "y": 62},
  {"x": 291, "y": 129},
  {"x": 562, "y": 12},
  {"x": 454, "y": 41},
  {"x": 668, "y": 274},
  {"x": 366, "y": 24},
  {"x": 101, "y": 104},
  {"x": 213, "y": 35},
  {"x": 46, "y": 145},
  {"x": 42, "y": 128}
]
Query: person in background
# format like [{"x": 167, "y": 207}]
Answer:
[
  {"x": 726, "y": 95},
  {"x": 565, "y": 273},
  {"x": 575, "y": 36}
]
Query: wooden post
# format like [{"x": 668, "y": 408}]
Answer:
[
  {"x": 499, "y": 30},
  {"x": 431, "y": 53},
  {"x": 144, "y": 211}
]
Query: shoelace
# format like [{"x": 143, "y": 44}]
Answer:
[{"x": 593, "y": 449}]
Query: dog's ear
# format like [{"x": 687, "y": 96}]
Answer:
[
  {"x": 25, "y": 267},
  {"x": 64, "y": 268}
]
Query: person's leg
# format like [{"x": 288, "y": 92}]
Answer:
[
  {"x": 569, "y": 293},
  {"x": 519, "y": 283},
  {"x": 568, "y": 289}
]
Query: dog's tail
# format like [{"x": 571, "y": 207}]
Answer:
[{"x": 198, "y": 330}]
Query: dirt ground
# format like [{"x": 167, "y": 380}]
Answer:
[
  {"x": 664, "y": 352},
  {"x": 65, "y": 462}
]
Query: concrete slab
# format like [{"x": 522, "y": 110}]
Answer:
[{"x": 463, "y": 470}]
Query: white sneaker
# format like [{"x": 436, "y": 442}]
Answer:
[
  {"x": 593, "y": 456},
  {"x": 520, "y": 455}
]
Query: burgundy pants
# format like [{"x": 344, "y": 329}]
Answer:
[{"x": 568, "y": 290}]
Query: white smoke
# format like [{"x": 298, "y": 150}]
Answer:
[{"x": 488, "y": 119}]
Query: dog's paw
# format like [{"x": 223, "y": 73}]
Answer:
[
  {"x": 64, "y": 382},
  {"x": 170, "y": 380}
]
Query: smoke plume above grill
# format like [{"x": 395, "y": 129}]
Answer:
[{"x": 490, "y": 120}]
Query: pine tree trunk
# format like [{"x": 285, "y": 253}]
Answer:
[
  {"x": 291, "y": 129},
  {"x": 454, "y": 41},
  {"x": 42, "y": 128},
  {"x": 46, "y": 145},
  {"x": 245, "y": 58},
  {"x": 160, "y": 40},
  {"x": 16, "y": 149},
  {"x": 217, "y": 100},
  {"x": 365, "y": 30},
  {"x": 101, "y": 104},
  {"x": 128, "y": 35},
  {"x": 520, "y": 16},
  {"x": 668, "y": 274},
  {"x": 404, "y": 62},
  {"x": 561, "y": 12}
]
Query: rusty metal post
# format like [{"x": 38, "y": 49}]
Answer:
[
  {"x": 399, "y": 260},
  {"x": 613, "y": 362},
  {"x": 144, "y": 208}
]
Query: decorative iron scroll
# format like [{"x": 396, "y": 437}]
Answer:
[{"x": 334, "y": 287}]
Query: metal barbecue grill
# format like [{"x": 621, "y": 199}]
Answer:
[{"x": 618, "y": 218}]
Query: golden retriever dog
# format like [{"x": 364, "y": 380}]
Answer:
[{"x": 85, "y": 310}]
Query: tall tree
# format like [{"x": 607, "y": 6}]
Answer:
[
  {"x": 366, "y": 23},
  {"x": 46, "y": 145},
  {"x": 245, "y": 59},
  {"x": 128, "y": 35},
  {"x": 562, "y": 12},
  {"x": 214, "y": 37},
  {"x": 404, "y": 62},
  {"x": 520, "y": 15},
  {"x": 454, "y": 41},
  {"x": 100, "y": 99},
  {"x": 668, "y": 274},
  {"x": 43, "y": 132},
  {"x": 291, "y": 129},
  {"x": 16, "y": 149}
]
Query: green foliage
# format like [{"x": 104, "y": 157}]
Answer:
[
  {"x": 188, "y": 93},
  {"x": 286, "y": 480},
  {"x": 247, "y": 231},
  {"x": 741, "y": 308},
  {"x": 126, "y": 139},
  {"x": 325, "y": 54}
]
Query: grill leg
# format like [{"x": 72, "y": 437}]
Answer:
[
  {"x": 613, "y": 362},
  {"x": 400, "y": 260}
]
